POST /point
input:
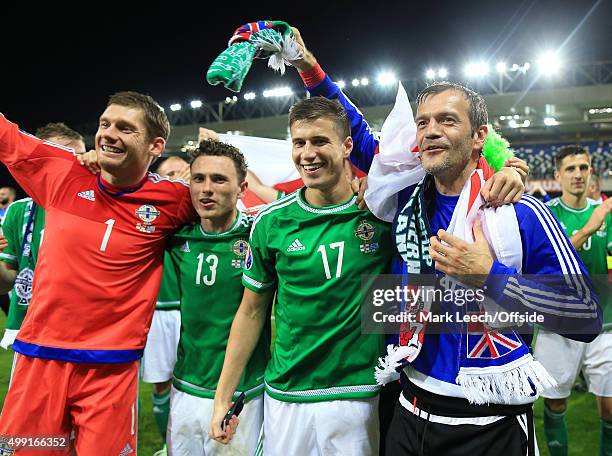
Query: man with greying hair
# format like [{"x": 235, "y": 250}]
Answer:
[
  {"x": 95, "y": 291},
  {"x": 469, "y": 389}
]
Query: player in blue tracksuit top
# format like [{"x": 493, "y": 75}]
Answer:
[{"x": 539, "y": 232}]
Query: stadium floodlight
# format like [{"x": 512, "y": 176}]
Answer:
[
  {"x": 249, "y": 96},
  {"x": 476, "y": 70},
  {"x": 526, "y": 123},
  {"x": 364, "y": 81},
  {"x": 549, "y": 63},
  {"x": 386, "y": 78},
  {"x": 550, "y": 121},
  {"x": 430, "y": 73},
  {"x": 234, "y": 98},
  {"x": 228, "y": 100},
  {"x": 501, "y": 67},
  {"x": 278, "y": 92},
  {"x": 175, "y": 107},
  {"x": 512, "y": 124},
  {"x": 355, "y": 82},
  {"x": 442, "y": 73},
  {"x": 341, "y": 84},
  {"x": 195, "y": 104}
]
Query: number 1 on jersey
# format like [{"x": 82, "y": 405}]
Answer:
[
  {"x": 323, "y": 252},
  {"x": 109, "y": 229}
]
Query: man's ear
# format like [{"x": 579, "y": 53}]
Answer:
[
  {"x": 244, "y": 186},
  {"x": 557, "y": 175},
  {"x": 480, "y": 137},
  {"x": 348, "y": 146},
  {"x": 157, "y": 146}
]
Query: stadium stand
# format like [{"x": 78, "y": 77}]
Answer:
[{"x": 540, "y": 157}]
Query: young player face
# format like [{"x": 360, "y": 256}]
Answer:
[
  {"x": 444, "y": 134},
  {"x": 319, "y": 152},
  {"x": 215, "y": 187},
  {"x": 122, "y": 143},
  {"x": 574, "y": 173}
]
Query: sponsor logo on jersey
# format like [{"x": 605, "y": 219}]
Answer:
[
  {"x": 23, "y": 286},
  {"x": 147, "y": 213},
  {"x": 240, "y": 248},
  {"x": 365, "y": 231},
  {"x": 88, "y": 195},
  {"x": 185, "y": 247},
  {"x": 144, "y": 228},
  {"x": 296, "y": 246},
  {"x": 127, "y": 449},
  {"x": 248, "y": 261},
  {"x": 237, "y": 263},
  {"x": 369, "y": 248}
]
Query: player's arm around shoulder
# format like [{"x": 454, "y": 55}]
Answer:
[{"x": 244, "y": 335}]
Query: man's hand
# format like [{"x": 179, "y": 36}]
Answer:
[
  {"x": 506, "y": 186},
  {"x": 205, "y": 134},
  {"x": 216, "y": 433},
  {"x": 308, "y": 60},
  {"x": 359, "y": 187},
  {"x": 458, "y": 258},
  {"x": 90, "y": 161},
  {"x": 3, "y": 243},
  {"x": 597, "y": 217},
  {"x": 520, "y": 166}
]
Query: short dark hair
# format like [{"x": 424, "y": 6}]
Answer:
[
  {"x": 215, "y": 148},
  {"x": 566, "y": 151},
  {"x": 155, "y": 119},
  {"x": 478, "y": 113},
  {"x": 58, "y": 130},
  {"x": 314, "y": 108}
]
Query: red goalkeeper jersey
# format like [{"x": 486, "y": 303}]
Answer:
[{"x": 100, "y": 263}]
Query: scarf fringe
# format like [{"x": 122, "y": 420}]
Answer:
[
  {"x": 503, "y": 384},
  {"x": 389, "y": 366},
  {"x": 283, "y": 49}
]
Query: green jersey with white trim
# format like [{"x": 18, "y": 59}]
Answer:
[
  {"x": 594, "y": 250},
  {"x": 22, "y": 255},
  {"x": 209, "y": 268},
  {"x": 316, "y": 258},
  {"x": 168, "y": 297}
]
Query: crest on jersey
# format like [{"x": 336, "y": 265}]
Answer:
[
  {"x": 23, "y": 286},
  {"x": 365, "y": 231},
  {"x": 147, "y": 213},
  {"x": 240, "y": 248}
]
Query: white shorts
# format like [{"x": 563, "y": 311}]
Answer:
[
  {"x": 342, "y": 427},
  {"x": 159, "y": 355},
  {"x": 563, "y": 358},
  {"x": 189, "y": 423}
]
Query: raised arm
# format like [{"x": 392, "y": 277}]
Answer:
[
  {"x": 318, "y": 83},
  {"x": 37, "y": 165}
]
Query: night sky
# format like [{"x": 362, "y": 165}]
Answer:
[{"x": 61, "y": 65}]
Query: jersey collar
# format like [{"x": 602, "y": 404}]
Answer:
[{"x": 113, "y": 190}]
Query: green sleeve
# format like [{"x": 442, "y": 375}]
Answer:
[
  {"x": 609, "y": 235},
  {"x": 259, "y": 271},
  {"x": 10, "y": 229}
]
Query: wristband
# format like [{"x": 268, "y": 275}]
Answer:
[{"x": 313, "y": 76}]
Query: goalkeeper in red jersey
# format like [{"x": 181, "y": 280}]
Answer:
[{"x": 97, "y": 277}]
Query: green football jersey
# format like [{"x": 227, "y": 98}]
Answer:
[
  {"x": 22, "y": 255},
  {"x": 316, "y": 258},
  {"x": 168, "y": 297},
  {"x": 209, "y": 268},
  {"x": 595, "y": 249}
]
